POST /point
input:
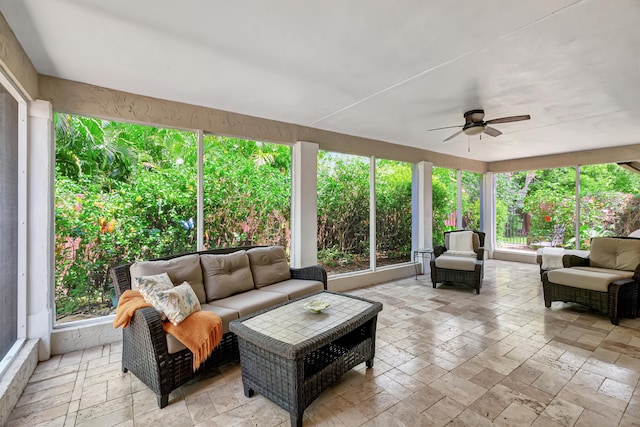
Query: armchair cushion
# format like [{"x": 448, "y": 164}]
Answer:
[
  {"x": 454, "y": 262},
  {"x": 592, "y": 279},
  {"x": 269, "y": 265},
  {"x": 181, "y": 269},
  {"x": 614, "y": 253},
  {"x": 475, "y": 240},
  {"x": 226, "y": 275}
]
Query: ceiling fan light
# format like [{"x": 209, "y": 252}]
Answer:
[{"x": 473, "y": 130}]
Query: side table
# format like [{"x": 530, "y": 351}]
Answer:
[{"x": 422, "y": 253}]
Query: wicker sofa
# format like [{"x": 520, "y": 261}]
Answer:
[
  {"x": 231, "y": 282},
  {"x": 606, "y": 280}
]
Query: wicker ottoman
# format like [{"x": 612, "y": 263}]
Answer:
[{"x": 290, "y": 355}]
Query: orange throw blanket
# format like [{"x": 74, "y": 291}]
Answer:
[{"x": 200, "y": 332}]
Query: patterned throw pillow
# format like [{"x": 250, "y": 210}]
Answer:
[
  {"x": 179, "y": 302},
  {"x": 151, "y": 286}
]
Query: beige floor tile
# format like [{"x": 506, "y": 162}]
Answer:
[
  {"x": 616, "y": 389},
  {"x": 458, "y": 389},
  {"x": 563, "y": 412},
  {"x": 516, "y": 415},
  {"x": 443, "y": 411},
  {"x": 591, "y": 418}
]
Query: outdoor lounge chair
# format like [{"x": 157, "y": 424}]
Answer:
[{"x": 459, "y": 265}]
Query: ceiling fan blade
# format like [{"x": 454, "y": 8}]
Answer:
[
  {"x": 453, "y": 136},
  {"x": 508, "y": 119},
  {"x": 446, "y": 127},
  {"x": 492, "y": 131}
]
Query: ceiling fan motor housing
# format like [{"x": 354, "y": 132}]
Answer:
[{"x": 474, "y": 122}]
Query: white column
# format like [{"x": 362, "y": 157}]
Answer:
[
  {"x": 423, "y": 205},
  {"x": 304, "y": 204},
  {"x": 200, "y": 193},
  {"x": 372, "y": 214},
  {"x": 459, "y": 200},
  {"x": 577, "y": 224},
  {"x": 40, "y": 225},
  {"x": 488, "y": 208}
]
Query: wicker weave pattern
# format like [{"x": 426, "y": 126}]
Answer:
[
  {"x": 293, "y": 375},
  {"x": 469, "y": 278},
  {"x": 144, "y": 345}
]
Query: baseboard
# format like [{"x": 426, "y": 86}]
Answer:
[{"x": 15, "y": 378}]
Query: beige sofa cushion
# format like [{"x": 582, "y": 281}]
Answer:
[
  {"x": 268, "y": 265},
  {"x": 226, "y": 314},
  {"x": 251, "y": 301},
  {"x": 226, "y": 275},
  {"x": 453, "y": 262},
  {"x": 615, "y": 254},
  {"x": 182, "y": 269},
  {"x": 578, "y": 277},
  {"x": 295, "y": 288}
]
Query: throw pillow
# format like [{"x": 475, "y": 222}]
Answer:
[
  {"x": 461, "y": 241},
  {"x": 179, "y": 302},
  {"x": 150, "y": 286},
  {"x": 552, "y": 258}
]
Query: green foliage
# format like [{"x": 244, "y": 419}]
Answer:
[
  {"x": 547, "y": 199},
  {"x": 444, "y": 190},
  {"x": 127, "y": 192},
  {"x": 393, "y": 210},
  {"x": 343, "y": 206},
  {"x": 104, "y": 218}
]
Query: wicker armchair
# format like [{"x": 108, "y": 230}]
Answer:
[
  {"x": 606, "y": 280},
  {"x": 144, "y": 343},
  {"x": 459, "y": 269}
]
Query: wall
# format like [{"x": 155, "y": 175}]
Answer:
[{"x": 88, "y": 100}]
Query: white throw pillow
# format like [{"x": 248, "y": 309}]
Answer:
[
  {"x": 552, "y": 258},
  {"x": 461, "y": 241},
  {"x": 150, "y": 286},
  {"x": 179, "y": 302}
]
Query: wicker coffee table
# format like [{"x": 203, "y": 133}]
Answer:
[{"x": 290, "y": 355}]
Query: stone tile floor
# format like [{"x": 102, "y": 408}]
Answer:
[{"x": 445, "y": 357}]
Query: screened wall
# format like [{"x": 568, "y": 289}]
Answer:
[{"x": 8, "y": 222}]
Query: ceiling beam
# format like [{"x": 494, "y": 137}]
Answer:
[{"x": 94, "y": 101}]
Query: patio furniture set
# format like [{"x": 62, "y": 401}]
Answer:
[
  {"x": 606, "y": 278},
  {"x": 287, "y": 353}
]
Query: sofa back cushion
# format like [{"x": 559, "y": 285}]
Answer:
[
  {"x": 226, "y": 275},
  {"x": 182, "y": 269},
  {"x": 615, "y": 254},
  {"x": 268, "y": 265}
]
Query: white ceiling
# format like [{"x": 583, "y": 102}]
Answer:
[{"x": 380, "y": 69}]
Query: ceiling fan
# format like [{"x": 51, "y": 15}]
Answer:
[{"x": 474, "y": 124}]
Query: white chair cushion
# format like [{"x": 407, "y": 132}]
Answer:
[
  {"x": 461, "y": 241},
  {"x": 456, "y": 262},
  {"x": 587, "y": 279}
]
